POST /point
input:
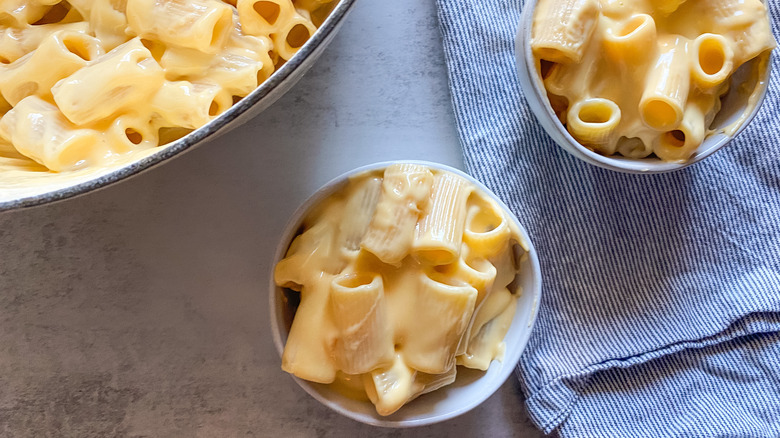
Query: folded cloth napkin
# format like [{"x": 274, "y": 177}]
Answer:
[{"x": 660, "y": 312}]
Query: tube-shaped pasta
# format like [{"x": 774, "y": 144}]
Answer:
[
  {"x": 480, "y": 274},
  {"x": 487, "y": 229},
  {"x": 562, "y": 29},
  {"x": 58, "y": 56},
  {"x": 628, "y": 42},
  {"x": 633, "y": 147},
  {"x": 745, "y": 23},
  {"x": 39, "y": 131},
  {"x": 19, "y": 13},
  {"x": 358, "y": 212},
  {"x": 117, "y": 80},
  {"x": 290, "y": 271},
  {"x": 405, "y": 190},
  {"x": 592, "y": 121},
  {"x": 292, "y": 35},
  {"x": 236, "y": 73},
  {"x": 440, "y": 230},
  {"x": 186, "y": 104},
  {"x": 196, "y": 24},
  {"x": 666, "y": 91},
  {"x": 131, "y": 131},
  {"x": 391, "y": 387},
  {"x": 109, "y": 23},
  {"x": 442, "y": 311},
  {"x": 680, "y": 143},
  {"x": 181, "y": 63},
  {"x": 490, "y": 326},
  {"x": 365, "y": 340},
  {"x": 15, "y": 43},
  {"x": 264, "y": 17},
  {"x": 308, "y": 353},
  {"x": 712, "y": 60}
]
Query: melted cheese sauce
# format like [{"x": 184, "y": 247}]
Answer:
[
  {"x": 642, "y": 77},
  {"x": 406, "y": 325}
]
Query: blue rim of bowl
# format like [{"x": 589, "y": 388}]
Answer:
[
  {"x": 294, "y": 224},
  {"x": 615, "y": 163},
  {"x": 198, "y": 136}
]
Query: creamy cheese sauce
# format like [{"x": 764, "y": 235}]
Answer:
[
  {"x": 642, "y": 77},
  {"x": 393, "y": 330}
]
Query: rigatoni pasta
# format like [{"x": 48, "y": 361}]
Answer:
[
  {"x": 636, "y": 77},
  {"x": 413, "y": 270},
  {"x": 137, "y": 73}
]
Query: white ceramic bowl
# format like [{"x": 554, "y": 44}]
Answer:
[
  {"x": 471, "y": 387},
  {"x": 735, "y": 114},
  {"x": 55, "y": 187}
]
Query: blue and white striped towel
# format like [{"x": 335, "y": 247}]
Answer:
[{"x": 661, "y": 305}]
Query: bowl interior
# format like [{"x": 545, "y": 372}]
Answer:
[
  {"x": 749, "y": 85},
  {"x": 471, "y": 387}
]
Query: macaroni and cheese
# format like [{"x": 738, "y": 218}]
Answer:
[
  {"x": 83, "y": 82},
  {"x": 637, "y": 77},
  {"x": 402, "y": 275}
]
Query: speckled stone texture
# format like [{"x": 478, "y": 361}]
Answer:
[{"x": 141, "y": 310}]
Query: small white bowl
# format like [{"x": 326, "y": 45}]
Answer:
[
  {"x": 735, "y": 114},
  {"x": 471, "y": 387}
]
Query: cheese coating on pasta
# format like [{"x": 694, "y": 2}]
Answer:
[
  {"x": 639, "y": 77},
  {"x": 83, "y": 82},
  {"x": 403, "y": 275}
]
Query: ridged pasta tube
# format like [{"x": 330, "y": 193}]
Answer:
[
  {"x": 39, "y": 131},
  {"x": 405, "y": 190},
  {"x": 563, "y": 28},
  {"x": 592, "y": 121},
  {"x": 197, "y": 24},
  {"x": 666, "y": 91},
  {"x": 132, "y": 132},
  {"x": 109, "y": 23},
  {"x": 746, "y": 23},
  {"x": 487, "y": 229},
  {"x": 365, "y": 340},
  {"x": 491, "y": 324},
  {"x": 182, "y": 103},
  {"x": 439, "y": 232},
  {"x": 264, "y": 17},
  {"x": 58, "y": 56},
  {"x": 442, "y": 310},
  {"x": 712, "y": 60},
  {"x": 15, "y": 43},
  {"x": 308, "y": 353},
  {"x": 391, "y": 387},
  {"x": 19, "y": 13},
  {"x": 118, "y": 80},
  {"x": 628, "y": 42},
  {"x": 679, "y": 144},
  {"x": 358, "y": 213},
  {"x": 292, "y": 35}
]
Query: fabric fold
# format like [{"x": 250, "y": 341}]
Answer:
[{"x": 648, "y": 279}]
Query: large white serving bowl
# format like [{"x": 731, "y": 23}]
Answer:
[
  {"x": 471, "y": 387},
  {"x": 21, "y": 190},
  {"x": 748, "y": 90}
]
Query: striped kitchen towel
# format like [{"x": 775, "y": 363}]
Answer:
[{"x": 660, "y": 313}]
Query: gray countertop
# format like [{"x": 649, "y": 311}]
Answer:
[{"x": 141, "y": 309}]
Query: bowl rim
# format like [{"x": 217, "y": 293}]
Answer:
[
  {"x": 293, "y": 225},
  {"x": 526, "y": 73},
  {"x": 201, "y": 134}
]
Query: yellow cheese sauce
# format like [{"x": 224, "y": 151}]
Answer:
[
  {"x": 646, "y": 77},
  {"x": 397, "y": 279}
]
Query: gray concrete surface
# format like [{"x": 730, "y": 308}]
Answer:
[{"x": 140, "y": 310}]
